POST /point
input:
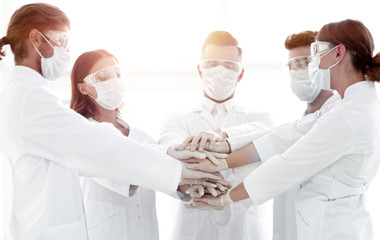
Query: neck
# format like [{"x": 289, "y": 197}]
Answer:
[
  {"x": 30, "y": 63},
  {"x": 347, "y": 78},
  {"x": 319, "y": 101},
  {"x": 105, "y": 115}
]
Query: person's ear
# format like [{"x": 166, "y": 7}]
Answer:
[
  {"x": 340, "y": 52},
  {"x": 199, "y": 71},
  {"x": 83, "y": 89},
  {"x": 241, "y": 75},
  {"x": 35, "y": 38}
]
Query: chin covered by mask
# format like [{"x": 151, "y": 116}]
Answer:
[
  {"x": 219, "y": 82},
  {"x": 302, "y": 86},
  {"x": 110, "y": 93},
  {"x": 321, "y": 77},
  {"x": 55, "y": 66}
]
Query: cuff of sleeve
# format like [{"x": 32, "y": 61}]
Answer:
[
  {"x": 253, "y": 189},
  {"x": 264, "y": 148}
]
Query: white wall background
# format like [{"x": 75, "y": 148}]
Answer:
[{"x": 159, "y": 42}]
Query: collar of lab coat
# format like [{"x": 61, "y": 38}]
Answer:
[
  {"x": 29, "y": 75},
  {"x": 358, "y": 88},
  {"x": 209, "y": 104}
]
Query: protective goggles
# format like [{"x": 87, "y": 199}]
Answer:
[
  {"x": 59, "y": 38},
  {"x": 231, "y": 65},
  {"x": 103, "y": 74},
  {"x": 319, "y": 47},
  {"x": 298, "y": 63}
]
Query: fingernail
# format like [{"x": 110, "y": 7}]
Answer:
[{"x": 190, "y": 166}]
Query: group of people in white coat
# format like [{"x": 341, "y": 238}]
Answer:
[{"x": 81, "y": 173}]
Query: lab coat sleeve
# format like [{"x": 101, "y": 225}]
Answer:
[
  {"x": 240, "y": 141},
  {"x": 284, "y": 136},
  {"x": 331, "y": 138},
  {"x": 256, "y": 121},
  {"x": 173, "y": 130},
  {"x": 57, "y": 133}
]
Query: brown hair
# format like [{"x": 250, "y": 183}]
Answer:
[
  {"x": 81, "y": 69},
  {"x": 301, "y": 39},
  {"x": 39, "y": 16},
  {"x": 358, "y": 41},
  {"x": 221, "y": 38}
]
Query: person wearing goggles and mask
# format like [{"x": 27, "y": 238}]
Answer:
[
  {"x": 129, "y": 210},
  {"x": 269, "y": 142},
  {"x": 48, "y": 145},
  {"x": 338, "y": 157},
  {"x": 220, "y": 71}
]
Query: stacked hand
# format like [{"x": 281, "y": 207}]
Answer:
[
  {"x": 205, "y": 140},
  {"x": 200, "y": 170},
  {"x": 210, "y": 202}
]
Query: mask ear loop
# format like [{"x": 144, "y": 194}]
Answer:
[
  {"x": 39, "y": 53},
  {"x": 328, "y": 53}
]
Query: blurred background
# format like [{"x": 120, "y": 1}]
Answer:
[{"x": 158, "y": 44}]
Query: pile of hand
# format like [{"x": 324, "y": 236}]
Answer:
[{"x": 203, "y": 157}]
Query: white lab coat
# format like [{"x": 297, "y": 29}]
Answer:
[
  {"x": 334, "y": 161},
  {"x": 120, "y": 211},
  {"x": 48, "y": 144},
  {"x": 268, "y": 143},
  {"x": 228, "y": 223}
]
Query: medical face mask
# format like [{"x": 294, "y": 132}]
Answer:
[
  {"x": 219, "y": 82},
  {"x": 110, "y": 93},
  {"x": 320, "y": 77},
  {"x": 302, "y": 87},
  {"x": 55, "y": 66}
]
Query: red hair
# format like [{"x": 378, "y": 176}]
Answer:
[
  {"x": 80, "y": 103},
  {"x": 41, "y": 16},
  {"x": 301, "y": 39},
  {"x": 358, "y": 41}
]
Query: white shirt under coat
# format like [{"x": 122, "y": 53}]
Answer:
[
  {"x": 231, "y": 223},
  {"x": 48, "y": 144},
  {"x": 334, "y": 161}
]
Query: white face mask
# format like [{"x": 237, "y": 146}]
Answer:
[
  {"x": 320, "y": 77},
  {"x": 302, "y": 87},
  {"x": 110, "y": 93},
  {"x": 55, "y": 66},
  {"x": 219, "y": 82}
]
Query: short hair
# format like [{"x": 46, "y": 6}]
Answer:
[
  {"x": 301, "y": 39},
  {"x": 80, "y": 103},
  {"x": 221, "y": 38},
  {"x": 41, "y": 16}
]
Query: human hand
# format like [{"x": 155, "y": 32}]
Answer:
[
  {"x": 196, "y": 191},
  {"x": 196, "y": 175},
  {"x": 219, "y": 147},
  {"x": 206, "y": 166},
  {"x": 201, "y": 140},
  {"x": 219, "y": 201},
  {"x": 184, "y": 154}
]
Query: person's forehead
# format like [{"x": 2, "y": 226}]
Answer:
[
  {"x": 221, "y": 52},
  {"x": 103, "y": 63},
  {"x": 299, "y": 51}
]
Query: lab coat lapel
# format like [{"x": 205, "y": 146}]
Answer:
[{"x": 206, "y": 115}]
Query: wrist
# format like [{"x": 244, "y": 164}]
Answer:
[
  {"x": 228, "y": 146},
  {"x": 226, "y": 199}
]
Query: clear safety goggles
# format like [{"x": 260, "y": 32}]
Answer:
[
  {"x": 319, "y": 47},
  {"x": 297, "y": 63},
  {"x": 103, "y": 74},
  {"x": 59, "y": 38},
  {"x": 231, "y": 65}
]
